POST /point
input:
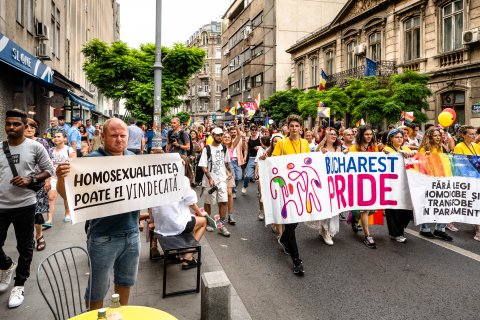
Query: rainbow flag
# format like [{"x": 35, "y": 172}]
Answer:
[
  {"x": 359, "y": 123},
  {"x": 407, "y": 117},
  {"x": 267, "y": 121},
  {"x": 256, "y": 102},
  {"x": 446, "y": 165},
  {"x": 322, "y": 111},
  {"x": 323, "y": 81},
  {"x": 375, "y": 218},
  {"x": 190, "y": 121}
]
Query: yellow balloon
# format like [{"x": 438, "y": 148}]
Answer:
[{"x": 445, "y": 119}]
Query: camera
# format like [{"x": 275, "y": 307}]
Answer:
[
  {"x": 173, "y": 137},
  {"x": 213, "y": 189}
]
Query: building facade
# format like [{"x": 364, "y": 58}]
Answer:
[
  {"x": 438, "y": 37},
  {"x": 203, "y": 97},
  {"x": 255, "y": 37},
  {"x": 41, "y": 60}
]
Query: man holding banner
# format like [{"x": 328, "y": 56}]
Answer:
[{"x": 113, "y": 242}]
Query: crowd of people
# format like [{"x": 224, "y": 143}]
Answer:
[{"x": 219, "y": 160}]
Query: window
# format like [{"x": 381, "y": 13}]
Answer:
[
  {"x": 19, "y": 12},
  {"x": 206, "y": 52},
  {"x": 237, "y": 37},
  {"x": 351, "y": 57},
  {"x": 258, "y": 50},
  {"x": 57, "y": 34},
  {"x": 452, "y": 15},
  {"x": 456, "y": 101},
  {"x": 257, "y": 80},
  {"x": 234, "y": 88},
  {"x": 412, "y": 38},
  {"x": 219, "y": 87},
  {"x": 205, "y": 106},
  {"x": 30, "y": 17},
  {"x": 206, "y": 67},
  {"x": 329, "y": 62},
  {"x": 218, "y": 68},
  {"x": 300, "y": 75},
  {"x": 257, "y": 20},
  {"x": 218, "y": 53},
  {"x": 204, "y": 38},
  {"x": 217, "y": 104},
  {"x": 314, "y": 71},
  {"x": 375, "y": 44}
]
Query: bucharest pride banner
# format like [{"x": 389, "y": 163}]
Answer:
[
  {"x": 444, "y": 188},
  {"x": 315, "y": 186},
  {"x": 104, "y": 186}
]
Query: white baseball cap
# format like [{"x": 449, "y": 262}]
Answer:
[{"x": 217, "y": 131}]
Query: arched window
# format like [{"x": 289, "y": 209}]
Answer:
[
  {"x": 375, "y": 46},
  {"x": 329, "y": 62},
  {"x": 412, "y": 38},
  {"x": 314, "y": 71},
  {"x": 455, "y": 100},
  {"x": 300, "y": 75}
]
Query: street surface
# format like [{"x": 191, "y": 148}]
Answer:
[{"x": 414, "y": 280}]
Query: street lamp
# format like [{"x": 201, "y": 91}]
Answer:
[{"x": 157, "y": 76}]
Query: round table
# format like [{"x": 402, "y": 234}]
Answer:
[{"x": 131, "y": 312}]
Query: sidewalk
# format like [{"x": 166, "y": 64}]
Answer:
[{"x": 147, "y": 291}]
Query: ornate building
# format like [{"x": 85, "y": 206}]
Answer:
[
  {"x": 203, "y": 97},
  {"x": 255, "y": 35},
  {"x": 41, "y": 61},
  {"x": 438, "y": 37}
]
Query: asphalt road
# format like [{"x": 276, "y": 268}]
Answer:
[{"x": 414, "y": 280}]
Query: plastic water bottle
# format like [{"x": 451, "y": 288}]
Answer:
[
  {"x": 114, "y": 312},
  {"x": 102, "y": 314}
]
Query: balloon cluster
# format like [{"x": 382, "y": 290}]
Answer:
[{"x": 447, "y": 117}]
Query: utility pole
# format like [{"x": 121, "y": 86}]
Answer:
[{"x": 157, "y": 76}]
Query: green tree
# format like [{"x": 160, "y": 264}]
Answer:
[
  {"x": 120, "y": 72},
  {"x": 281, "y": 104},
  {"x": 183, "y": 116}
]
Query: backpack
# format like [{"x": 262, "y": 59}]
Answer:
[
  {"x": 180, "y": 135},
  {"x": 209, "y": 155}
]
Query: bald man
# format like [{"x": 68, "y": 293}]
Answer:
[
  {"x": 113, "y": 242},
  {"x": 54, "y": 128}
]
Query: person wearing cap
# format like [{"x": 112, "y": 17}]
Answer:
[
  {"x": 90, "y": 129},
  {"x": 63, "y": 124},
  {"x": 253, "y": 144},
  {"x": 397, "y": 219},
  {"x": 74, "y": 136}
]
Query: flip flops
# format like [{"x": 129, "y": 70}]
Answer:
[
  {"x": 41, "y": 244},
  {"x": 189, "y": 264},
  {"x": 47, "y": 225}
]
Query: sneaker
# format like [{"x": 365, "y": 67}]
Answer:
[
  {"x": 223, "y": 230},
  {"x": 327, "y": 238},
  {"x": 16, "y": 297},
  {"x": 400, "y": 239},
  {"x": 284, "y": 247},
  {"x": 442, "y": 235},
  {"x": 6, "y": 277},
  {"x": 477, "y": 236},
  {"x": 244, "y": 191},
  {"x": 210, "y": 229},
  {"x": 369, "y": 242},
  {"x": 235, "y": 195},
  {"x": 298, "y": 269},
  {"x": 427, "y": 234},
  {"x": 261, "y": 215},
  {"x": 67, "y": 219},
  {"x": 452, "y": 227},
  {"x": 355, "y": 226},
  {"x": 154, "y": 253},
  {"x": 231, "y": 220}
]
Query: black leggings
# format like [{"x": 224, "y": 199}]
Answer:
[{"x": 289, "y": 239}]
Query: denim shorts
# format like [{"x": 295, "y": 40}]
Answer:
[{"x": 117, "y": 252}]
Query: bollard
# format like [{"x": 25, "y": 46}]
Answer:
[{"x": 215, "y": 296}]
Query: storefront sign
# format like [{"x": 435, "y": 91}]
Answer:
[
  {"x": 17, "y": 57},
  {"x": 476, "y": 108}
]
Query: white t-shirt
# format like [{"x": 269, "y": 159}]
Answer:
[
  {"x": 59, "y": 156},
  {"x": 172, "y": 218},
  {"x": 217, "y": 167},
  {"x": 260, "y": 152},
  {"x": 313, "y": 146}
]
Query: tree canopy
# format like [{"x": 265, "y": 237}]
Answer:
[{"x": 120, "y": 72}]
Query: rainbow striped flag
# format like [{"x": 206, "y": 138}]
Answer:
[
  {"x": 190, "y": 121},
  {"x": 407, "y": 117},
  {"x": 446, "y": 165}
]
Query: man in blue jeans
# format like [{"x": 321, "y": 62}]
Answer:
[
  {"x": 112, "y": 242},
  {"x": 253, "y": 144}
]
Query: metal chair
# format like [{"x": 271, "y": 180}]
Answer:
[{"x": 59, "y": 280}]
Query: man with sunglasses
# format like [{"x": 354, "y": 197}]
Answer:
[
  {"x": 253, "y": 144},
  {"x": 19, "y": 156}
]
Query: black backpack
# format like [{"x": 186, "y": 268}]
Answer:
[{"x": 209, "y": 155}]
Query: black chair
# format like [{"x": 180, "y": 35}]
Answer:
[
  {"x": 62, "y": 278},
  {"x": 173, "y": 245}
]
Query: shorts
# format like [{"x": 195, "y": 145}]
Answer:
[
  {"x": 39, "y": 219},
  {"x": 118, "y": 252},
  {"x": 218, "y": 196},
  {"x": 53, "y": 182},
  {"x": 231, "y": 183},
  {"x": 190, "y": 226}
]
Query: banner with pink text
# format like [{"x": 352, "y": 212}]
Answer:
[{"x": 316, "y": 186}]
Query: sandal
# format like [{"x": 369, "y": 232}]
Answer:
[
  {"x": 47, "y": 225},
  {"x": 189, "y": 264},
  {"x": 41, "y": 244}
]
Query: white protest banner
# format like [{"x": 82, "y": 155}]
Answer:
[
  {"x": 445, "y": 188},
  {"x": 316, "y": 186},
  {"x": 104, "y": 186}
]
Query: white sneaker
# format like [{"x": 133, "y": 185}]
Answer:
[
  {"x": 244, "y": 191},
  {"x": 235, "y": 195},
  {"x": 16, "y": 297},
  {"x": 400, "y": 239},
  {"x": 6, "y": 277},
  {"x": 224, "y": 231},
  {"x": 327, "y": 238},
  {"x": 261, "y": 216},
  {"x": 210, "y": 229}
]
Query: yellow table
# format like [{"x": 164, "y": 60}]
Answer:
[{"x": 131, "y": 313}]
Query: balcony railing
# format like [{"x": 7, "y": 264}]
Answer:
[
  {"x": 203, "y": 94},
  {"x": 384, "y": 70}
]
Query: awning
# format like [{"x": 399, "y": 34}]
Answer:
[{"x": 76, "y": 99}]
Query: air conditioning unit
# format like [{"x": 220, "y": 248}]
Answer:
[
  {"x": 42, "y": 30},
  {"x": 229, "y": 97},
  {"x": 470, "y": 36},
  {"x": 42, "y": 50},
  {"x": 226, "y": 52},
  {"x": 247, "y": 32},
  {"x": 360, "y": 49}
]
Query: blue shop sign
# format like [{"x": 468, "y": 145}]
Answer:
[{"x": 17, "y": 57}]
